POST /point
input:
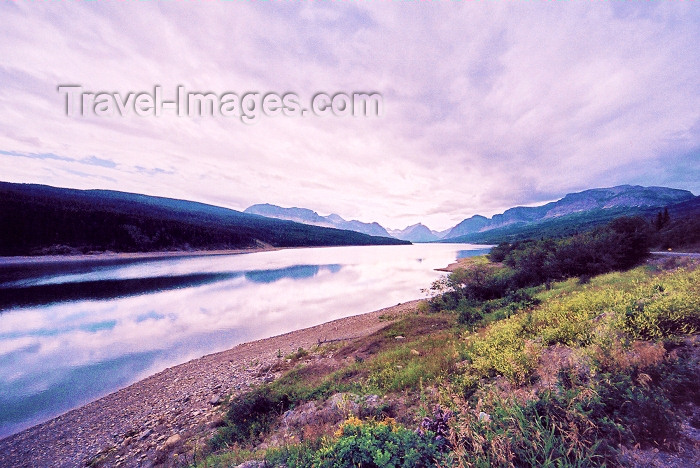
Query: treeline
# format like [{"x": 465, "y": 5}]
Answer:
[
  {"x": 620, "y": 245},
  {"x": 37, "y": 219},
  {"x": 671, "y": 227},
  {"x": 567, "y": 225},
  {"x": 674, "y": 231},
  {"x": 515, "y": 266}
]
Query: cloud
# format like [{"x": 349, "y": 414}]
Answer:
[
  {"x": 95, "y": 161},
  {"x": 487, "y": 105}
]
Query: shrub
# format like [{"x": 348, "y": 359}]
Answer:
[
  {"x": 469, "y": 312},
  {"x": 437, "y": 425},
  {"x": 378, "y": 444},
  {"x": 293, "y": 456},
  {"x": 641, "y": 413},
  {"x": 670, "y": 306},
  {"x": 551, "y": 431},
  {"x": 250, "y": 416},
  {"x": 631, "y": 304},
  {"x": 580, "y": 421}
]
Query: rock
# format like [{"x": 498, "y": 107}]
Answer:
[
  {"x": 399, "y": 337},
  {"x": 300, "y": 416},
  {"x": 215, "y": 400},
  {"x": 415, "y": 352},
  {"x": 372, "y": 401},
  {"x": 343, "y": 404},
  {"x": 145, "y": 434},
  {"x": 173, "y": 440},
  {"x": 484, "y": 417}
]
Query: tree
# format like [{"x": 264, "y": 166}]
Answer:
[
  {"x": 659, "y": 222},
  {"x": 666, "y": 217}
]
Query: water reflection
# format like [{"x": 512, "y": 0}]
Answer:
[
  {"x": 472, "y": 253},
  {"x": 66, "y": 287},
  {"x": 293, "y": 272},
  {"x": 71, "y": 334}
]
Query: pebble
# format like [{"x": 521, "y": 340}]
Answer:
[{"x": 160, "y": 404}]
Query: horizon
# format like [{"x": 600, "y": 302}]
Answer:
[
  {"x": 484, "y": 106},
  {"x": 388, "y": 228}
]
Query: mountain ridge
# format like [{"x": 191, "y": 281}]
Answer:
[
  {"x": 47, "y": 219},
  {"x": 307, "y": 216},
  {"x": 584, "y": 207},
  {"x": 630, "y": 197}
]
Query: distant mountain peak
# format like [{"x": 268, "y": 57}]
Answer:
[
  {"x": 587, "y": 201},
  {"x": 415, "y": 233},
  {"x": 307, "y": 216}
]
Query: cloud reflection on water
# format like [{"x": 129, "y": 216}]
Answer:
[{"x": 73, "y": 352}]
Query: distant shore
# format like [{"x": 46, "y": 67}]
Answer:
[{"x": 109, "y": 256}]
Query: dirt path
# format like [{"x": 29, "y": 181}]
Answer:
[{"x": 144, "y": 423}]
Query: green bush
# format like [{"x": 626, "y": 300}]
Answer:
[
  {"x": 293, "y": 456},
  {"x": 469, "y": 312},
  {"x": 383, "y": 444},
  {"x": 668, "y": 307},
  {"x": 250, "y": 416}
]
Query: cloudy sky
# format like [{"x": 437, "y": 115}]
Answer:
[{"x": 487, "y": 105}]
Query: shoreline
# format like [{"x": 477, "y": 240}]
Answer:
[
  {"x": 131, "y": 426},
  {"x": 111, "y": 256}
]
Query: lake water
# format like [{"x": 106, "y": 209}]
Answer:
[{"x": 71, "y": 332}]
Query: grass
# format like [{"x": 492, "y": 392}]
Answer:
[
  {"x": 555, "y": 376},
  {"x": 633, "y": 304}
]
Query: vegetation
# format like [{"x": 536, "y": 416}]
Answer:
[
  {"x": 564, "y": 226},
  {"x": 53, "y": 220},
  {"x": 619, "y": 245},
  {"x": 676, "y": 226},
  {"x": 378, "y": 444},
  {"x": 530, "y": 359},
  {"x": 678, "y": 231}
]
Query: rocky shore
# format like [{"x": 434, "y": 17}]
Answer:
[{"x": 155, "y": 421}]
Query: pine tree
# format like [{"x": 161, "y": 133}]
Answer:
[
  {"x": 666, "y": 217},
  {"x": 659, "y": 223}
]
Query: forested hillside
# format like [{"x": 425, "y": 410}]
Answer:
[{"x": 38, "y": 219}]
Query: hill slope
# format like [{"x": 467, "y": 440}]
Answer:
[
  {"x": 307, "y": 216},
  {"x": 42, "y": 219},
  {"x": 574, "y": 212}
]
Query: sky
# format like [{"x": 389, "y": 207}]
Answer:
[{"x": 486, "y": 104}]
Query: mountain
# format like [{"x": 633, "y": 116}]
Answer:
[
  {"x": 415, "y": 233},
  {"x": 38, "y": 219},
  {"x": 306, "y": 216},
  {"x": 569, "y": 214},
  {"x": 469, "y": 225}
]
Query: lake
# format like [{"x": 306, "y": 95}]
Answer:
[{"x": 73, "y": 331}]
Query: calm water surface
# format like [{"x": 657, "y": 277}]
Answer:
[{"x": 71, "y": 332}]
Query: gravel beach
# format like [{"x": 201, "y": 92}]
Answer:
[{"x": 143, "y": 424}]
